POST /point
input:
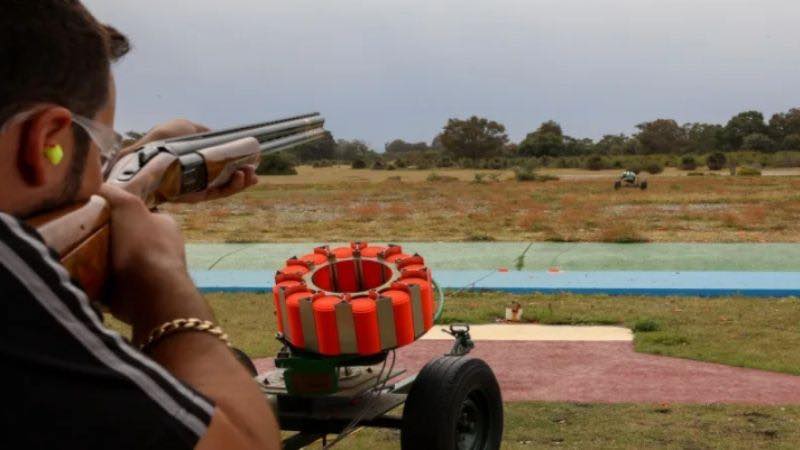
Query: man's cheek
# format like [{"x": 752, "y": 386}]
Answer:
[{"x": 92, "y": 180}]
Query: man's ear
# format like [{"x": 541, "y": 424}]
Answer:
[{"x": 45, "y": 129}]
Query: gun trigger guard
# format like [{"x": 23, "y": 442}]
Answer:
[{"x": 135, "y": 164}]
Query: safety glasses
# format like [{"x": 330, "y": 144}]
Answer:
[{"x": 108, "y": 141}]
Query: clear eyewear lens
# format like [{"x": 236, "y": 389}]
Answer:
[{"x": 108, "y": 141}]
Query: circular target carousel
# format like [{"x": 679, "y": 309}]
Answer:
[{"x": 341, "y": 314}]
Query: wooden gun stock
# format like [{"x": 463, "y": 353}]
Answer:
[{"x": 80, "y": 234}]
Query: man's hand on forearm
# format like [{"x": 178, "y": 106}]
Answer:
[
  {"x": 240, "y": 180},
  {"x": 151, "y": 286}
]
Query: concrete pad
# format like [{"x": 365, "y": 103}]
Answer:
[{"x": 536, "y": 332}]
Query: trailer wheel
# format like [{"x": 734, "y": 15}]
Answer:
[
  {"x": 643, "y": 186},
  {"x": 617, "y": 185},
  {"x": 454, "y": 403},
  {"x": 245, "y": 360}
]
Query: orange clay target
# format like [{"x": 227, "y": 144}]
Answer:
[{"x": 357, "y": 300}]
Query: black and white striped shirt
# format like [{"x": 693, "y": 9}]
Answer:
[{"x": 69, "y": 382}]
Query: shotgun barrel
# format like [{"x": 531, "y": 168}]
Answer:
[
  {"x": 207, "y": 159},
  {"x": 172, "y": 170},
  {"x": 264, "y": 133}
]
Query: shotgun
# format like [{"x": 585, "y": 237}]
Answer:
[{"x": 159, "y": 172}]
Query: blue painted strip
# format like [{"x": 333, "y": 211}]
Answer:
[
  {"x": 705, "y": 284},
  {"x": 233, "y": 280}
]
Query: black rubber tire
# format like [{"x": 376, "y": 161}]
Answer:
[
  {"x": 245, "y": 360},
  {"x": 617, "y": 185},
  {"x": 643, "y": 186},
  {"x": 448, "y": 398}
]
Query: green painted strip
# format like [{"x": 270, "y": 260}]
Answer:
[{"x": 540, "y": 256}]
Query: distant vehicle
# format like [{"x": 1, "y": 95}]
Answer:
[{"x": 630, "y": 179}]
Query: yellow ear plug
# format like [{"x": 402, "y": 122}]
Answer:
[{"x": 54, "y": 154}]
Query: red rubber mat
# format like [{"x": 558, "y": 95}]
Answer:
[{"x": 608, "y": 372}]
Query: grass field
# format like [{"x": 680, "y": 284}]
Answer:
[
  {"x": 757, "y": 333},
  {"x": 738, "y": 331},
  {"x": 745, "y": 332},
  {"x": 599, "y": 426},
  {"x": 341, "y": 204}
]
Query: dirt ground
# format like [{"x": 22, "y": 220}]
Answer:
[{"x": 341, "y": 204}]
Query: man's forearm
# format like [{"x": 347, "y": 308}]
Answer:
[
  {"x": 206, "y": 363},
  {"x": 173, "y": 297}
]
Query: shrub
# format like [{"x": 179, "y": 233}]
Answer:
[
  {"x": 688, "y": 163},
  {"x": 445, "y": 161},
  {"x": 524, "y": 174},
  {"x": 758, "y": 141},
  {"x": 378, "y": 165},
  {"x": 323, "y": 163},
  {"x": 400, "y": 163},
  {"x": 747, "y": 171},
  {"x": 479, "y": 237},
  {"x": 545, "y": 161},
  {"x": 469, "y": 163},
  {"x": 653, "y": 167},
  {"x": 622, "y": 233},
  {"x": 526, "y": 171},
  {"x": 485, "y": 178},
  {"x": 276, "y": 164},
  {"x": 495, "y": 164},
  {"x": 597, "y": 162},
  {"x": 695, "y": 174},
  {"x": 358, "y": 164},
  {"x": 478, "y": 178},
  {"x": 646, "y": 325},
  {"x": 716, "y": 161},
  {"x": 791, "y": 142},
  {"x": 390, "y": 166},
  {"x": 435, "y": 178}
]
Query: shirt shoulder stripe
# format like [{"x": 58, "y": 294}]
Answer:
[
  {"x": 34, "y": 253},
  {"x": 94, "y": 336}
]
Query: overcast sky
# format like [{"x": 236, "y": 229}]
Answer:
[{"x": 385, "y": 69}]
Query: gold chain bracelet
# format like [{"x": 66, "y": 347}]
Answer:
[{"x": 179, "y": 325}]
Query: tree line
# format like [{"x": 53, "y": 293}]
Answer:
[
  {"x": 478, "y": 138},
  {"x": 481, "y": 139}
]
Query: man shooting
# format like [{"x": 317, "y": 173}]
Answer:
[{"x": 71, "y": 382}]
